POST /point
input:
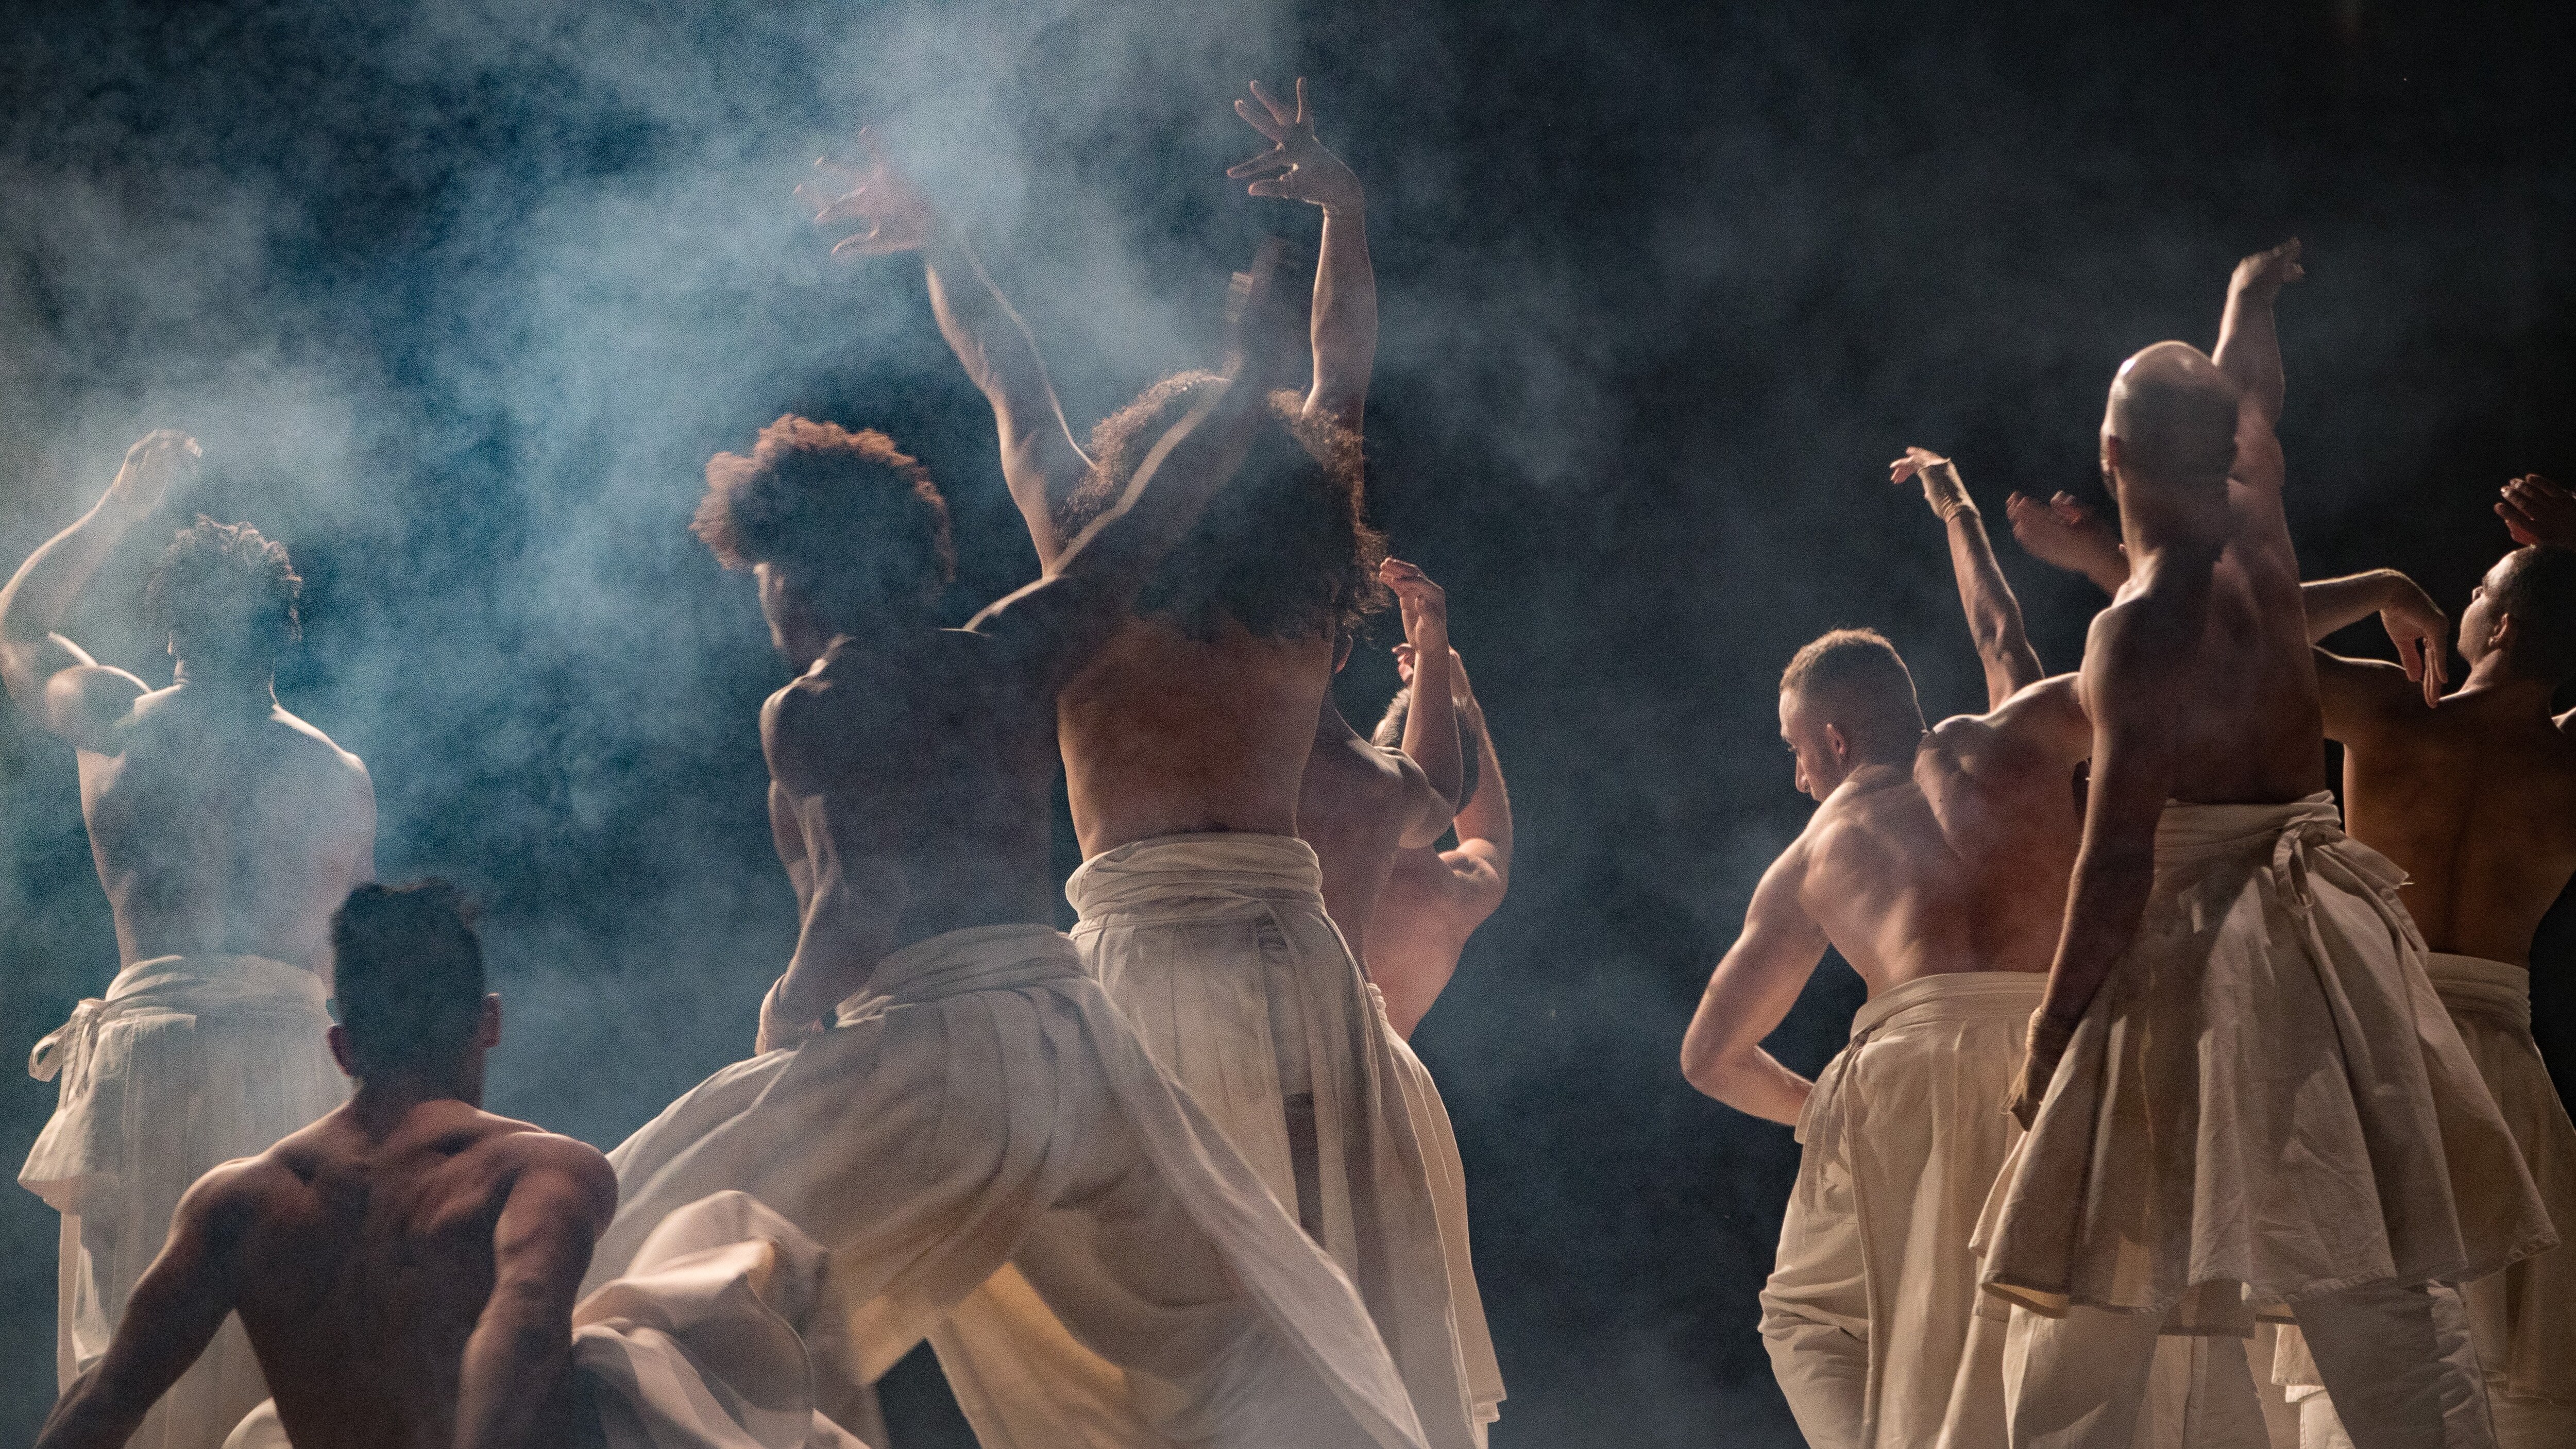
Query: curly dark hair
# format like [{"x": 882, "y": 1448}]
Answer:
[
  {"x": 1285, "y": 550},
  {"x": 853, "y": 521},
  {"x": 225, "y": 594},
  {"x": 407, "y": 974}
]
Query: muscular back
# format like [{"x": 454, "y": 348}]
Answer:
[
  {"x": 2002, "y": 787},
  {"x": 922, "y": 764},
  {"x": 224, "y": 829},
  {"x": 2476, "y": 801},
  {"x": 1884, "y": 884},
  {"x": 1167, "y": 735},
  {"x": 366, "y": 1263}
]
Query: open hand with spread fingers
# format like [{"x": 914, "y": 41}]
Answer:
[
  {"x": 1296, "y": 167},
  {"x": 889, "y": 213},
  {"x": 156, "y": 463},
  {"x": 2064, "y": 533},
  {"x": 2536, "y": 510}
]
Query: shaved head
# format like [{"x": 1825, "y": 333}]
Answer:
[{"x": 2174, "y": 414}]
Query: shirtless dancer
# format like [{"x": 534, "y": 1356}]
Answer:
[
  {"x": 1185, "y": 740},
  {"x": 406, "y": 1265},
  {"x": 226, "y": 830},
  {"x": 1434, "y": 899},
  {"x": 1933, "y": 865},
  {"x": 944, "y": 1099},
  {"x": 2238, "y": 1092}
]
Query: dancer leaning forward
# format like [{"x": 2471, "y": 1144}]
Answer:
[
  {"x": 944, "y": 1099},
  {"x": 2241, "y": 1091}
]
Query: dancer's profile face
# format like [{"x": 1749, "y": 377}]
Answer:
[{"x": 1815, "y": 745}]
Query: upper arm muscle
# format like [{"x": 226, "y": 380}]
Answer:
[{"x": 83, "y": 702}]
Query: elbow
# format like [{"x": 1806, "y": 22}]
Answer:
[{"x": 1711, "y": 1071}]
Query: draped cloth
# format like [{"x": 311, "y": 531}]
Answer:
[
  {"x": 1217, "y": 947},
  {"x": 2522, "y": 1320},
  {"x": 1870, "y": 1313},
  {"x": 185, "y": 1063},
  {"x": 990, "y": 1159},
  {"x": 2265, "y": 1100},
  {"x": 698, "y": 1346}
]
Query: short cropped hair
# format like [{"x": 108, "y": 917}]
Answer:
[
  {"x": 222, "y": 593},
  {"x": 407, "y": 975},
  {"x": 851, "y": 520},
  {"x": 2539, "y": 594},
  {"x": 1284, "y": 550},
  {"x": 1389, "y": 735},
  {"x": 1857, "y": 675}
]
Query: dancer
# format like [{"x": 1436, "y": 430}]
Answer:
[
  {"x": 2249, "y": 1094},
  {"x": 1929, "y": 865},
  {"x": 408, "y": 1262},
  {"x": 226, "y": 830},
  {"x": 1434, "y": 899},
  {"x": 944, "y": 1099},
  {"x": 2473, "y": 795},
  {"x": 1185, "y": 740}
]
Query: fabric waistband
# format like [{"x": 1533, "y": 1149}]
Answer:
[
  {"x": 237, "y": 987},
  {"x": 1953, "y": 996},
  {"x": 1187, "y": 874},
  {"x": 2195, "y": 828},
  {"x": 952, "y": 963},
  {"x": 2476, "y": 986}
]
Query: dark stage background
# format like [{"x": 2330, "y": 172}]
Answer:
[{"x": 460, "y": 296}]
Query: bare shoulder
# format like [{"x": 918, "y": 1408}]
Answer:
[
  {"x": 86, "y": 704},
  {"x": 522, "y": 1158}
]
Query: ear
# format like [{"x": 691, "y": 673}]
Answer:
[
  {"x": 338, "y": 1038},
  {"x": 2500, "y": 635},
  {"x": 1835, "y": 737},
  {"x": 490, "y": 1035}
]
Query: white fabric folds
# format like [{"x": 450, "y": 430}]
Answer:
[
  {"x": 1870, "y": 1314},
  {"x": 186, "y": 1062},
  {"x": 1217, "y": 947},
  {"x": 989, "y": 1158},
  {"x": 2265, "y": 1100}
]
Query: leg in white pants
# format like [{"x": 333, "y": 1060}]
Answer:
[
  {"x": 2398, "y": 1360},
  {"x": 2097, "y": 1380}
]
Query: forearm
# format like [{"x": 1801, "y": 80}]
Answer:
[
  {"x": 1431, "y": 723},
  {"x": 1994, "y": 615},
  {"x": 1344, "y": 327},
  {"x": 1001, "y": 358},
  {"x": 2249, "y": 350},
  {"x": 90, "y": 1415},
  {"x": 513, "y": 1388},
  {"x": 2104, "y": 905},
  {"x": 1753, "y": 1082},
  {"x": 1488, "y": 816},
  {"x": 45, "y": 587},
  {"x": 2334, "y": 604}
]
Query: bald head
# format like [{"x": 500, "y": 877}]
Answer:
[{"x": 2174, "y": 414}]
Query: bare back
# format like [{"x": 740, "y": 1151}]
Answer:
[
  {"x": 222, "y": 829},
  {"x": 2476, "y": 801},
  {"x": 1167, "y": 735},
  {"x": 2006, "y": 803},
  {"x": 1352, "y": 807},
  {"x": 1883, "y": 883},
  {"x": 367, "y": 1262},
  {"x": 926, "y": 762}
]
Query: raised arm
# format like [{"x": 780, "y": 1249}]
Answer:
[
  {"x": 849, "y": 893},
  {"x": 2415, "y": 624},
  {"x": 2249, "y": 339},
  {"x": 170, "y": 1318},
  {"x": 1060, "y": 619},
  {"x": 2065, "y": 533},
  {"x": 2536, "y": 510},
  {"x": 1040, "y": 460},
  {"x": 1344, "y": 329},
  {"x": 2143, "y": 647},
  {"x": 1994, "y": 615},
  {"x": 48, "y": 675},
  {"x": 514, "y": 1386},
  {"x": 1484, "y": 822},
  {"x": 1750, "y": 994},
  {"x": 1431, "y": 738}
]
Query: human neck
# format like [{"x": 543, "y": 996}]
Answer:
[
  {"x": 257, "y": 688},
  {"x": 2493, "y": 677},
  {"x": 382, "y": 1102}
]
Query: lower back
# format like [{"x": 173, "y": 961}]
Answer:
[
  {"x": 1167, "y": 735},
  {"x": 2482, "y": 820}
]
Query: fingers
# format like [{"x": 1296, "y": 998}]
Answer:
[
  {"x": 1276, "y": 130},
  {"x": 1278, "y": 113},
  {"x": 1903, "y": 468},
  {"x": 1275, "y": 159},
  {"x": 1301, "y": 101}
]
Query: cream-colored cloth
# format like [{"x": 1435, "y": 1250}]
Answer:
[
  {"x": 1217, "y": 947},
  {"x": 2523, "y": 1320},
  {"x": 2265, "y": 1100},
  {"x": 696, "y": 1347},
  {"x": 1869, "y": 1312},
  {"x": 992, "y": 1160},
  {"x": 186, "y": 1062},
  {"x": 1431, "y": 1126}
]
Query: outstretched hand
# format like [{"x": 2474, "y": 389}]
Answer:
[
  {"x": 876, "y": 196},
  {"x": 2536, "y": 510},
  {"x": 2064, "y": 533},
  {"x": 1423, "y": 604},
  {"x": 153, "y": 465},
  {"x": 2263, "y": 275},
  {"x": 1941, "y": 486},
  {"x": 1296, "y": 167}
]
